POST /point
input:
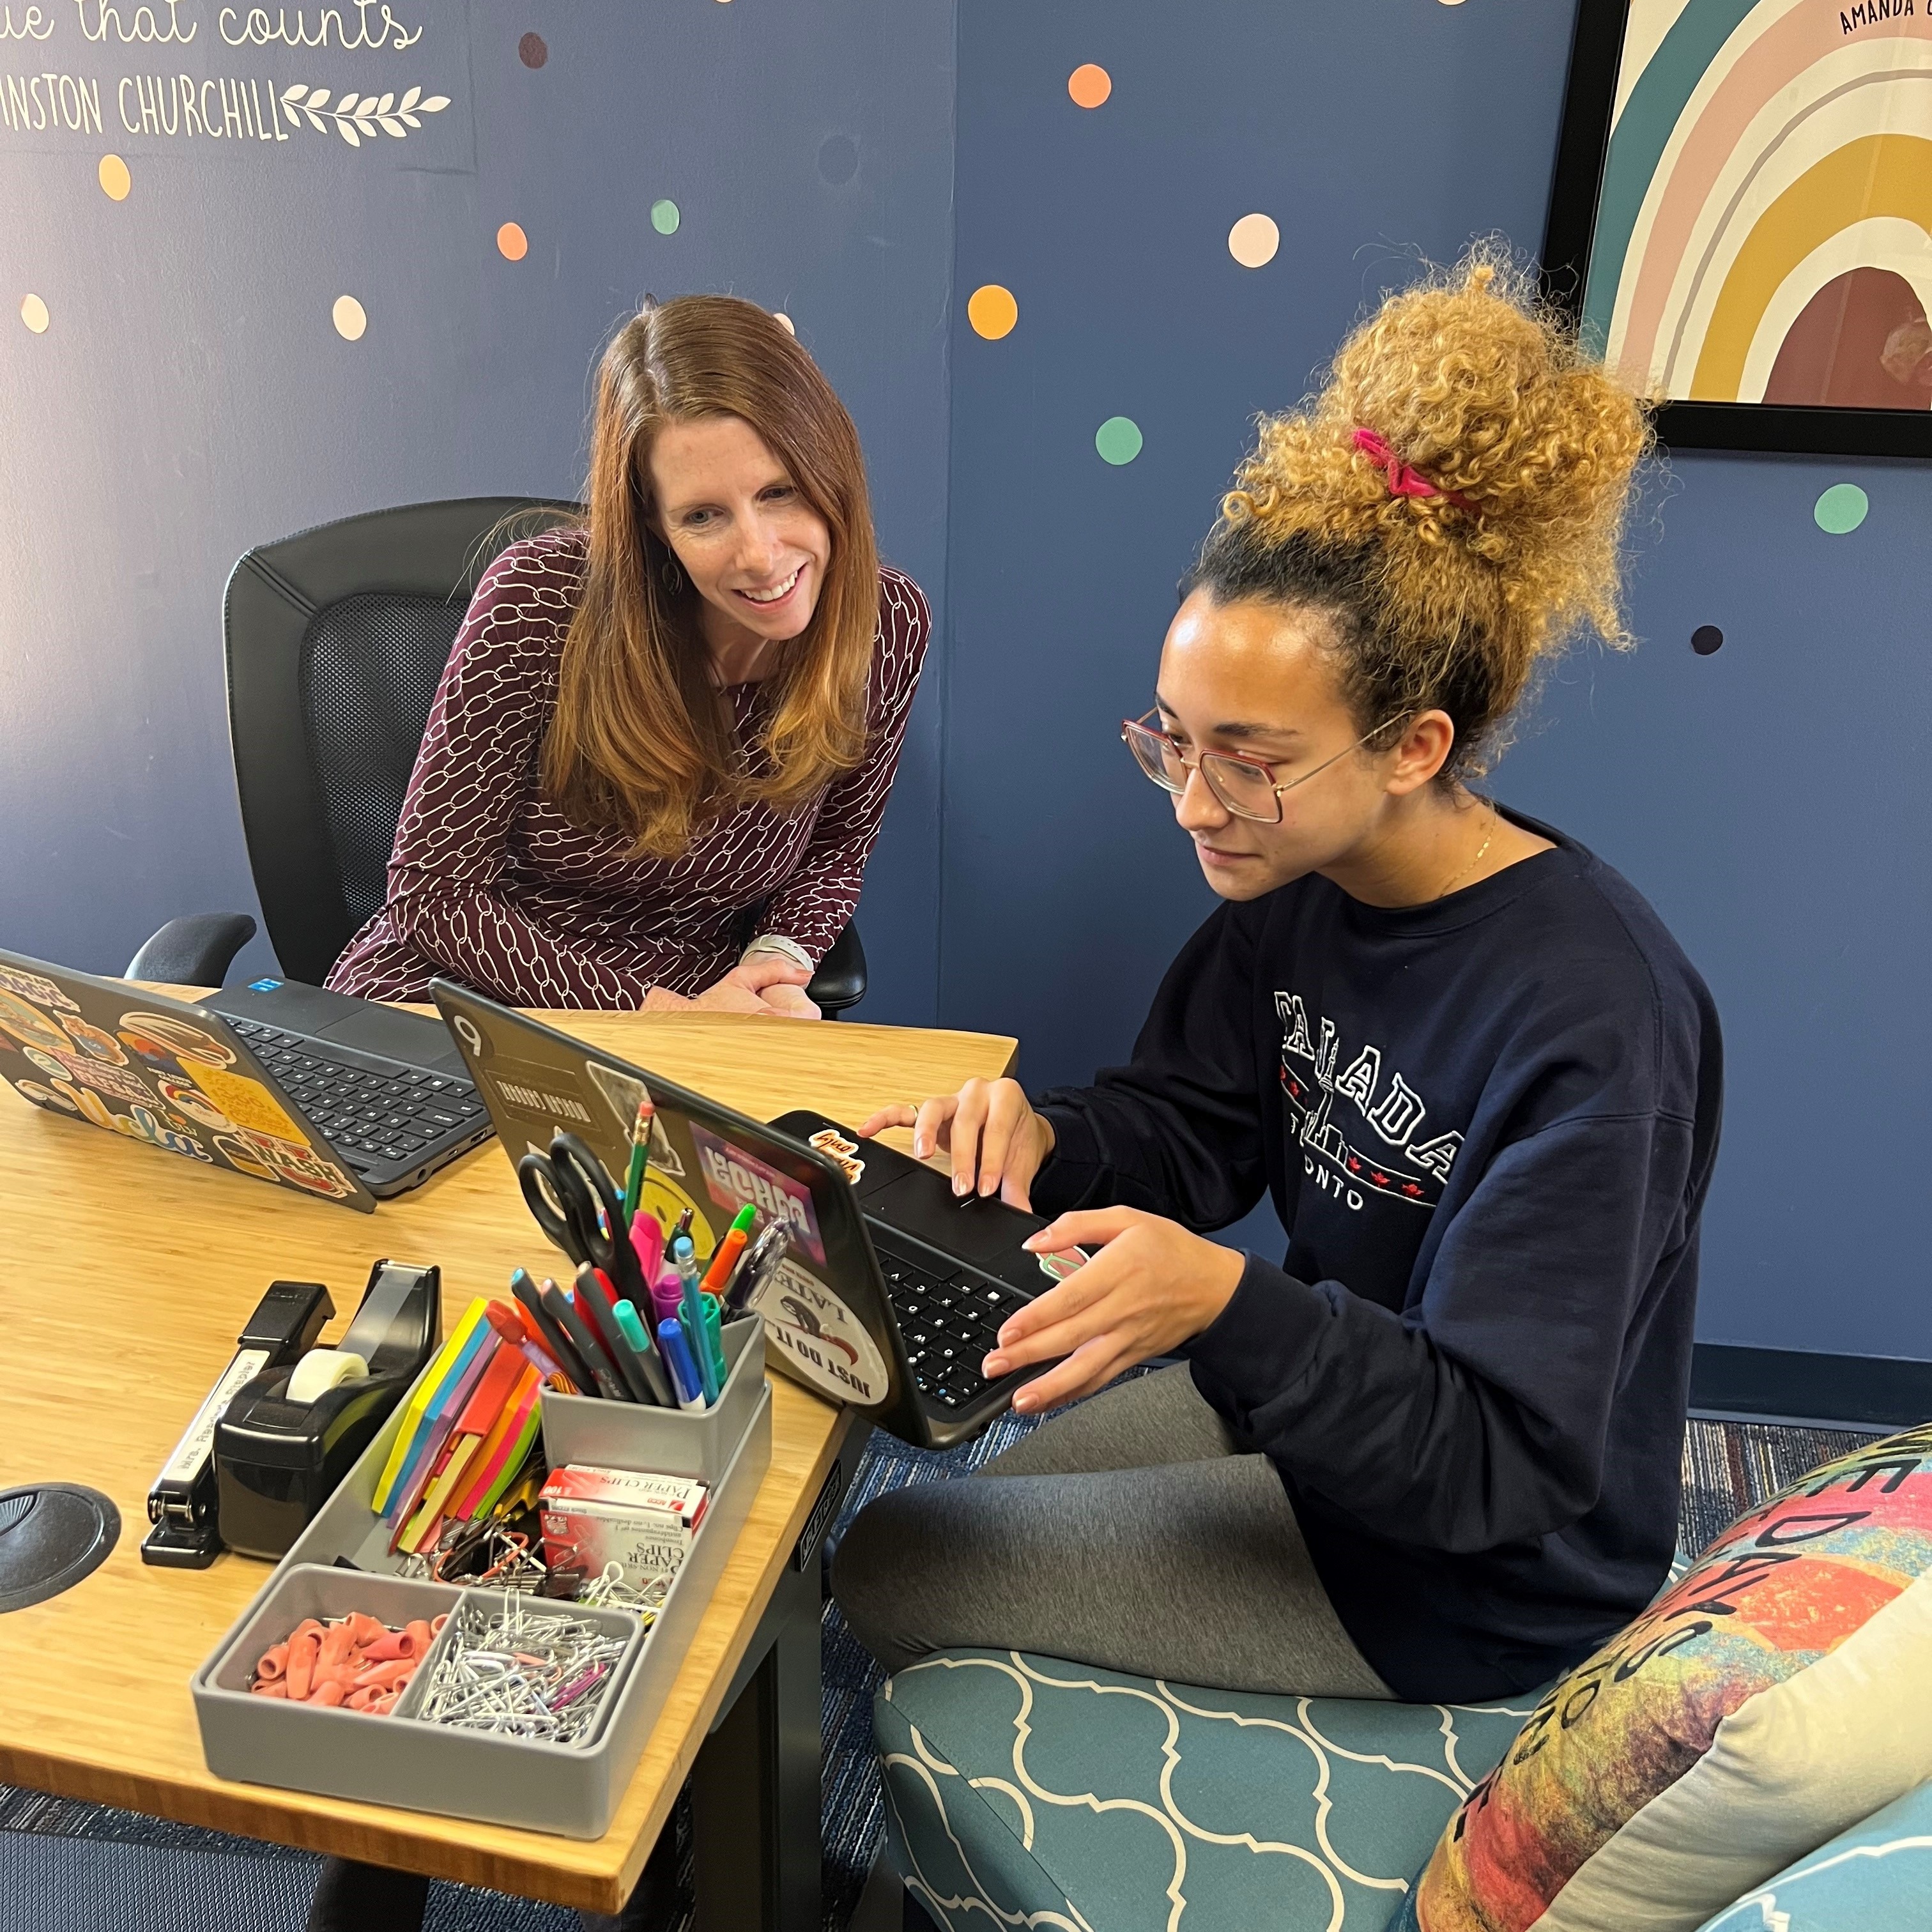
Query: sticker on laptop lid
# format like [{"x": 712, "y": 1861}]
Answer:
[
  {"x": 821, "y": 1338},
  {"x": 175, "y": 1039},
  {"x": 247, "y": 1103},
  {"x": 736, "y": 1179},
  {"x": 29, "y": 1025},
  {"x": 37, "y": 987},
  {"x": 120, "y": 1081},
  {"x": 842, "y": 1153},
  {"x": 92, "y": 1041}
]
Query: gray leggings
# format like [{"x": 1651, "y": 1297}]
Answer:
[{"x": 1135, "y": 1531}]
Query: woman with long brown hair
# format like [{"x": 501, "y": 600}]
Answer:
[{"x": 672, "y": 730}]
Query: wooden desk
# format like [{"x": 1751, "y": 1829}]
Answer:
[{"x": 124, "y": 1275}]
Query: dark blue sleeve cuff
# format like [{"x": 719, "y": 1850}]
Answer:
[{"x": 1261, "y": 1342}]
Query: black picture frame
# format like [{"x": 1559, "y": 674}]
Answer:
[{"x": 1596, "y": 52}]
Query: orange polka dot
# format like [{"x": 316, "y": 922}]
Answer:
[
  {"x": 512, "y": 244},
  {"x": 992, "y": 311},
  {"x": 1090, "y": 86},
  {"x": 116, "y": 182}
]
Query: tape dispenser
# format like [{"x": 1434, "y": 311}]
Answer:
[{"x": 288, "y": 1437}]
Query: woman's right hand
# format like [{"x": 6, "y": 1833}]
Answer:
[
  {"x": 998, "y": 1143},
  {"x": 742, "y": 991}
]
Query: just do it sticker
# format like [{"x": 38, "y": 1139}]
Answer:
[{"x": 825, "y": 1342}]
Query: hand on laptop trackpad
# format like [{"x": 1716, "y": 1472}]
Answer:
[{"x": 923, "y": 1205}]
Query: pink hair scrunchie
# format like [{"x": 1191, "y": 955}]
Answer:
[{"x": 1404, "y": 479}]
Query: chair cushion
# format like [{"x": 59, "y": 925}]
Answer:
[
  {"x": 1780, "y": 1693},
  {"x": 1073, "y": 1796},
  {"x": 1878, "y": 1874}
]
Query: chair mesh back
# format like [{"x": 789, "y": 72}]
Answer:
[{"x": 370, "y": 665}]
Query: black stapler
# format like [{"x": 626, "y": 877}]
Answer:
[{"x": 289, "y": 1437}]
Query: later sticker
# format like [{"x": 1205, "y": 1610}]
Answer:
[{"x": 827, "y": 1344}]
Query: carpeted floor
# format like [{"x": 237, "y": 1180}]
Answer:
[{"x": 69, "y": 1867}]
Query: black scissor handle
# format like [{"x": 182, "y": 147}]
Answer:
[{"x": 549, "y": 1198}]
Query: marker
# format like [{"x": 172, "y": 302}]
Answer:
[
  {"x": 505, "y": 1321},
  {"x": 666, "y": 1294},
  {"x": 670, "y": 1339},
  {"x": 599, "y": 1317},
  {"x": 635, "y": 1333},
  {"x": 690, "y": 1312},
  {"x": 714, "y": 1340},
  {"x": 558, "y": 1307},
  {"x": 729, "y": 1250},
  {"x": 530, "y": 1298}
]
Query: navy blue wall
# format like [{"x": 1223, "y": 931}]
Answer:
[
  {"x": 191, "y": 397},
  {"x": 1766, "y": 798}
]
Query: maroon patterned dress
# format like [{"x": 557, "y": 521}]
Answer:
[{"x": 491, "y": 885}]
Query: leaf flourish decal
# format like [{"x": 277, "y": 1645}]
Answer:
[{"x": 357, "y": 118}]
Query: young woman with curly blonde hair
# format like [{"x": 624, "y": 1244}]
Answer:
[{"x": 1434, "y": 1453}]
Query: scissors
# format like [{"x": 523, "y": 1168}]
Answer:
[{"x": 577, "y": 1208}]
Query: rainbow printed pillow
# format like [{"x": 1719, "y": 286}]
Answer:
[{"x": 1780, "y": 1692}]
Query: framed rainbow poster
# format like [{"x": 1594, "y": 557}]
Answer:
[{"x": 1740, "y": 217}]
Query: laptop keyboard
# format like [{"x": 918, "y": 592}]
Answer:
[
  {"x": 373, "y": 1114},
  {"x": 947, "y": 1320}
]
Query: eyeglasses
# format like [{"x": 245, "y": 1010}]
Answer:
[{"x": 1246, "y": 786}]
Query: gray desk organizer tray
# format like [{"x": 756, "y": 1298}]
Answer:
[{"x": 570, "y": 1790}]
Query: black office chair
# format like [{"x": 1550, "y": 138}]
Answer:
[{"x": 336, "y": 641}]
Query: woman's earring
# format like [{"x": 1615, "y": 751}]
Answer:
[{"x": 671, "y": 578}]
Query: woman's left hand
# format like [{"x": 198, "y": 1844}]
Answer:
[{"x": 1152, "y": 1286}]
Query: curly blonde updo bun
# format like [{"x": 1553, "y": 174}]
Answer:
[{"x": 1444, "y": 600}]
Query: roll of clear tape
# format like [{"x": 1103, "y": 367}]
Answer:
[{"x": 321, "y": 1369}]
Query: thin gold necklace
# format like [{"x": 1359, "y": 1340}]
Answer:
[{"x": 1482, "y": 851}]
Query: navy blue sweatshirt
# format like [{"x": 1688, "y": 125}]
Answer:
[{"x": 1488, "y": 1123}]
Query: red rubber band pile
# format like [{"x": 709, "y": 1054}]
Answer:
[{"x": 356, "y": 1662}]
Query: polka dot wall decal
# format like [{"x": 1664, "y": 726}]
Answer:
[
  {"x": 783, "y": 321},
  {"x": 512, "y": 244},
  {"x": 1090, "y": 86},
  {"x": 992, "y": 311},
  {"x": 1253, "y": 240},
  {"x": 116, "y": 180},
  {"x": 1118, "y": 440},
  {"x": 531, "y": 51},
  {"x": 34, "y": 314},
  {"x": 350, "y": 318},
  {"x": 664, "y": 216},
  {"x": 1705, "y": 639},
  {"x": 1841, "y": 509}
]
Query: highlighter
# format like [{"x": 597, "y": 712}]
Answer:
[
  {"x": 647, "y": 1244},
  {"x": 684, "y": 1371}
]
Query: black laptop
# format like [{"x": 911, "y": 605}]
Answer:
[
  {"x": 892, "y": 1290},
  {"x": 333, "y": 1096}
]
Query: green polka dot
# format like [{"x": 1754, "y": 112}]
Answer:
[
  {"x": 1118, "y": 439},
  {"x": 664, "y": 216},
  {"x": 1841, "y": 509}
]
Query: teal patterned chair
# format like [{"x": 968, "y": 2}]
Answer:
[{"x": 1028, "y": 1791}]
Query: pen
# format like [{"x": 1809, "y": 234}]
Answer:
[
  {"x": 640, "y": 1141},
  {"x": 529, "y": 1297},
  {"x": 558, "y": 1305},
  {"x": 670, "y": 1339},
  {"x": 683, "y": 1225},
  {"x": 729, "y": 1250},
  {"x": 691, "y": 1313},
  {"x": 636, "y": 1334},
  {"x": 760, "y": 1263},
  {"x": 600, "y": 1318}
]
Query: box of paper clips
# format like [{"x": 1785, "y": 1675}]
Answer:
[{"x": 447, "y": 1731}]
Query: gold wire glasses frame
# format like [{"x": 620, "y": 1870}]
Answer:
[{"x": 1246, "y": 785}]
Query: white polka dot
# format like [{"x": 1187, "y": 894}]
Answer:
[
  {"x": 1253, "y": 240},
  {"x": 783, "y": 321},
  {"x": 351, "y": 319},
  {"x": 34, "y": 314}
]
